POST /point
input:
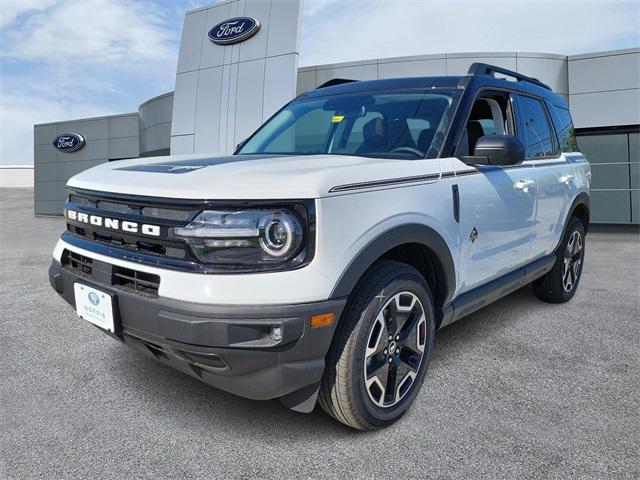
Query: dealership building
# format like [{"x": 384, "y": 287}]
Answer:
[{"x": 238, "y": 64}]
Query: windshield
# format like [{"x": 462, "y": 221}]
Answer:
[{"x": 406, "y": 125}]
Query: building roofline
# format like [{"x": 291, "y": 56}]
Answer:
[{"x": 87, "y": 119}]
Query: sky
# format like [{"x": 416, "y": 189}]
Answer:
[{"x": 66, "y": 59}]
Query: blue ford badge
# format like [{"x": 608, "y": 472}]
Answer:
[
  {"x": 68, "y": 142},
  {"x": 234, "y": 30},
  {"x": 93, "y": 298}
]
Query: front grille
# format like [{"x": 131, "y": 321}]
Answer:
[
  {"x": 80, "y": 263},
  {"x": 135, "y": 280},
  {"x": 121, "y": 209},
  {"x": 112, "y": 275}
]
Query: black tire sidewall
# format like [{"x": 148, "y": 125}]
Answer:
[
  {"x": 574, "y": 225},
  {"x": 369, "y": 411}
]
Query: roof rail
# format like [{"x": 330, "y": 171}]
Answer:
[
  {"x": 485, "y": 69},
  {"x": 335, "y": 81}
]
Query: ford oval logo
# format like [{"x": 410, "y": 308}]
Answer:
[
  {"x": 234, "y": 30},
  {"x": 68, "y": 142},
  {"x": 94, "y": 299}
]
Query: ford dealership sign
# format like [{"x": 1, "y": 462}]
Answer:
[
  {"x": 68, "y": 142},
  {"x": 234, "y": 30}
]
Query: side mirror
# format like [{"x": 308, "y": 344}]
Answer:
[{"x": 497, "y": 150}]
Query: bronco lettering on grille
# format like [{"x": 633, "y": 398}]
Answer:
[{"x": 114, "y": 223}]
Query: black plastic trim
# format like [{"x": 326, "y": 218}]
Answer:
[
  {"x": 409, "y": 233},
  {"x": 581, "y": 199},
  {"x": 456, "y": 202},
  {"x": 305, "y": 209},
  {"x": 227, "y": 346},
  {"x": 489, "y": 70},
  {"x": 485, "y": 294}
]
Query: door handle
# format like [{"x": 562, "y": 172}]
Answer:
[
  {"x": 565, "y": 179},
  {"x": 523, "y": 184}
]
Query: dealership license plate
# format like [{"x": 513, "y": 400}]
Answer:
[{"x": 94, "y": 306}]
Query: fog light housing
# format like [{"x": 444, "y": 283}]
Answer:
[{"x": 275, "y": 334}]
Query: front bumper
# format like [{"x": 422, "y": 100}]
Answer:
[{"x": 229, "y": 347}]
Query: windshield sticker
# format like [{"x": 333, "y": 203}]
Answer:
[{"x": 337, "y": 118}]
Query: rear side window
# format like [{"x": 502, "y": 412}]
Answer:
[
  {"x": 536, "y": 133},
  {"x": 564, "y": 128}
]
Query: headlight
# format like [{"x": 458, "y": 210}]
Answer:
[{"x": 254, "y": 239}]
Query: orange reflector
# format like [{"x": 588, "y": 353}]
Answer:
[{"x": 322, "y": 320}]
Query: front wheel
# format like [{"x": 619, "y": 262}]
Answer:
[
  {"x": 378, "y": 360},
  {"x": 561, "y": 282}
]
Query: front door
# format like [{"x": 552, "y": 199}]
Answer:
[{"x": 497, "y": 204}]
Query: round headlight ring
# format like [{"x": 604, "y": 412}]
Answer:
[
  {"x": 280, "y": 235},
  {"x": 277, "y": 237}
]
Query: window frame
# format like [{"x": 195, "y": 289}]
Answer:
[
  {"x": 551, "y": 109},
  {"x": 512, "y": 119},
  {"x": 557, "y": 153}
]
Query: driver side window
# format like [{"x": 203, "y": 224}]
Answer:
[{"x": 491, "y": 115}]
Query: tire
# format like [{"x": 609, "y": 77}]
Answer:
[
  {"x": 390, "y": 296},
  {"x": 559, "y": 285}
]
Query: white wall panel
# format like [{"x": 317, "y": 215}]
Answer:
[
  {"x": 279, "y": 82},
  {"x": 191, "y": 42},
  {"x": 207, "y": 120},
  {"x": 249, "y": 105},
  {"x": 182, "y": 144},
  {"x": 552, "y": 71},
  {"x": 412, "y": 68},
  {"x": 123, "y": 126},
  {"x": 306, "y": 80},
  {"x": 604, "y": 72},
  {"x": 368, "y": 71},
  {"x": 600, "y": 109},
  {"x": 212, "y": 54},
  {"x": 184, "y": 104},
  {"x": 284, "y": 30},
  {"x": 96, "y": 129},
  {"x": 232, "y": 86},
  {"x": 18, "y": 176},
  {"x": 257, "y": 47},
  {"x": 458, "y": 64}
]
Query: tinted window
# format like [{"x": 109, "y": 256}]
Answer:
[
  {"x": 564, "y": 128},
  {"x": 356, "y": 136},
  {"x": 535, "y": 131},
  {"x": 399, "y": 124}
]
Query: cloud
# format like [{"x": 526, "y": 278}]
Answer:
[
  {"x": 314, "y": 7},
  {"x": 17, "y": 119},
  {"x": 12, "y": 9},
  {"x": 96, "y": 31},
  {"x": 363, "y": 29},
  {"x": 65, "y": 59}
]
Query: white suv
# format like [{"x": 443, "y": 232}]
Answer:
[{"x": 317, "y": 262}]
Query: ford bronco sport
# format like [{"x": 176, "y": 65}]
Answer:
[{"x": 317, "y": 262}]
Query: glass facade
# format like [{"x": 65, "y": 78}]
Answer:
[{"x": 615, "y": 167}]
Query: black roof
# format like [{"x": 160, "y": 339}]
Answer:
[{"x": 480, "y": 76}]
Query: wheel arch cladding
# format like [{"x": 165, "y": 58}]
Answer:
[
  {"x": 580, "y": 209},
  {"x": 417, "y": 245}
]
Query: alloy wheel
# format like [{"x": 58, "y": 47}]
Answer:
[
  {"x": 572, "y": 261},
  {"x": 395, "y": 349}
]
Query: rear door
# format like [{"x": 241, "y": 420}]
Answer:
[
  {"x": 497, "y": 204},
  {"x": 554, "y": 173}
]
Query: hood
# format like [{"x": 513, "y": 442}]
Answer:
[{"x": 245, "y": 177}]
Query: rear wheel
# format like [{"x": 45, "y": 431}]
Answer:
[
  {"x": 378, "y": 360},
  {"x": 560, "y": 284}
]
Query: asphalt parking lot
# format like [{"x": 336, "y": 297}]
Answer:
[{"x": 521, "y": 389}]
